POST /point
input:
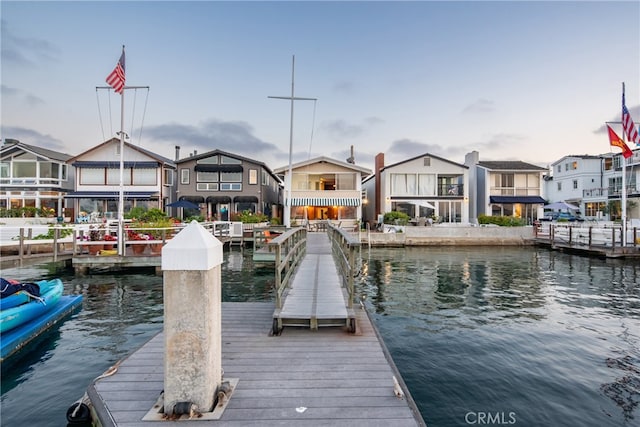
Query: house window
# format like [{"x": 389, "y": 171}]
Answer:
[
  {"x": 426, "y": 184},
  {"x": 574, "y": 165},
  {"x": 559, "y": 186},
  {"x": 265, "y": 178},
  {"x": 253, "y": 176},
  {"x": 92, "y": 176},
  {"x": 566, "y": 167},
  {"x": 346, "y": 181},
  {"x": 403, "y": 184},
  {"x": 113, "y": 176},
  {"x": 24, "y": 169},
  {"x": 144, "y": 176},
  {"x": 227, "y": 186},
  {"x": 184, "y": 176},
  {"x": 207, "y": 186},
  {"x": 226, "y": 160},
  {"x": 575, "y": 184},
  {"x": 230, "y": 176},
  {"x": 559, "y": 168},
  {"x": 206, "y": 176},
  {"x": 426, "y": 161},
  {"x": 168, "y": 177}
]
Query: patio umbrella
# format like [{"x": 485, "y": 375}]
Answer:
[
  {"x": 183, "y": 204},
  {"x": 562, "y": 205}
]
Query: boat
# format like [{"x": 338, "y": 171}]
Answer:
[
  {"x": 25, "y": 316},
  {"x": 23, "y": 296},
  {"x": 15, "y": 316}
]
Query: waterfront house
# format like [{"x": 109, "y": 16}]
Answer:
[
  {"x": 594, "y": 183},
  {"x": 505, "y": 188},
  {"x": 147, "y": 180},
  {"x": 223, "y": 183},
  {"x": 425, "y": 186},
  {"x": 324, "y": 189},
  {"x": 34, "y": 177},
  {"x": 572, "y": 177}
]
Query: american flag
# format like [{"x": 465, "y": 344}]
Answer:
[
  {"x": 116, "y": 78},
  {"x": 627, "y": 124}
]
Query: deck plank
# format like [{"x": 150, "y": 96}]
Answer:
[{"x": 340, "y": 378}]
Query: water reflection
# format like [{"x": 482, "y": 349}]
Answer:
[{"x": 470, "y": 327}]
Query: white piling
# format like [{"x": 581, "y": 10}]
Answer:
[{"x": 192, "y": 318}]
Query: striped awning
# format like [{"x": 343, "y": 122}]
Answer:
[{"x": 324, "y": 201}]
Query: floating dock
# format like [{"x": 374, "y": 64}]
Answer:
[{"x": 327, "y": 377}]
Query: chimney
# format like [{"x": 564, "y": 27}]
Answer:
[
  {"x": 177, "y": 152},
  {"x": 351, "y": 159},
  {"x": 379, "y": 164}
]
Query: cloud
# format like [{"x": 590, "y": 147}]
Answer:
[
  {"x": 633, "y": 111},
  {"x": 32, "y": 137},
  {"x": 28, "y": 98},
  {"x": 213, "y": 134},
  {"x": 25, "y": 51},
  {"x": 346, "y": 87},
  {"x": 340, "y": 129},
  {"x": 480, "y": 106}
]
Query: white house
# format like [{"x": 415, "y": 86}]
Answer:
[
  {"x": 422, "y": 186},
  {"x": 148, "y": 179},
  {"x": 324, "y": 189}
]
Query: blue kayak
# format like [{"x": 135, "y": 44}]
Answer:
[
  {"x": 22, "y": 297},
  {"x": 16, "y": 316}
]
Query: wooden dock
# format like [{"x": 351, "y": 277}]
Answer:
[
  {"x": 327, "y": 377},
  {"x": 316, "y": 296}
]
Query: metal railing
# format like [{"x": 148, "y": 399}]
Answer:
[
  {"x": 290, "y": 247},
  {"x": 344, "y": 247}
]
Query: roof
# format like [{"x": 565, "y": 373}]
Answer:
[
  {"x": 10, "y": 146},
  {"x": 510, "y": 165},
  {"x": 578, "y": 156},
  {"x": 425, "y": 155},
  {"x": 148, "y": 153},
  {"x": 323, "y": 159},
  {"x": 226, "y": 153}
]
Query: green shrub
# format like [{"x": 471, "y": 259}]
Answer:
[
  {"x": 396, "y": 218},
  {"x": 503, "y": 221},
  {"x": 64, "y": 232}
]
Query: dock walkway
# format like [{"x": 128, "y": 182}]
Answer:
[
  {"x": 316, "y": 296},
  {"x": 300, "y": 378}
]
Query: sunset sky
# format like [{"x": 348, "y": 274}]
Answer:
[{"x": 530, "y": 81}]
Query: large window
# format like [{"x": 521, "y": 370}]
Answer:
[
  {"x": 144, "y": 176},
  {"x": 113, "y": 176},
  {"x": 346, "y": 181},
  {"x": 403, "y": 184},
  {"x": 207, "y": 176},
  {"x": 24, "y": 169},
  {"x": 94, "y": 176}
]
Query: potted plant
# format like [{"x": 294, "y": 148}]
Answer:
[
  {"x": 96, "y": 234},
  {"x": 133, "y": 235}
]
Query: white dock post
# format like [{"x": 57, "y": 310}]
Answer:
[{"x": 192, "y": 319}]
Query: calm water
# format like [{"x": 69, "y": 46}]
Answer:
[{"x": 514, "y": 336}]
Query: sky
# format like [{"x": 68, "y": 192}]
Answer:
[{"x": 513, "y": 80}]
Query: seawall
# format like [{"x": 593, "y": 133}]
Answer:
[{"x": 452, "y": 235}]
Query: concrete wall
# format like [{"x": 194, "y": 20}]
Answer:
[{"x": 461, "y": 235}]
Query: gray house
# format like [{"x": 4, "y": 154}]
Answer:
[{"x": 223, "y": 183}]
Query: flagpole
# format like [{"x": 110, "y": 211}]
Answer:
[
  {"x": 121, "y": 189},
  {"x": 624, "y": 181}
]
